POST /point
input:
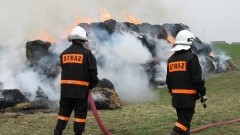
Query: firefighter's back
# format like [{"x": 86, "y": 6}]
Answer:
[
  {"x": 180, "y": 79},
  {"x": 75, "y": 77}
]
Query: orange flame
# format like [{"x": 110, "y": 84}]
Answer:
[
  {"x": 76, "y": 22},
  {"x": 212, "y": 54},
  {"x": 170, "y": 38},
  {"x": 82, "y": 20},
  {"x": 45, "y": 36},
  {"x": 105, "y": 14},
  {"x": 132, "y": 19}
]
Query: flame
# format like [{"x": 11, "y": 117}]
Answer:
[
  {"x": 76, "y": 22},
  {"x": 105, "y": 14},
  {"x": 132, "y": 19},
  {"x": 83, "y": 20},
  {"x": 44, "y": 35},
  {"x": 212, "y": 54},
  {"x": 170, "y": 38}
]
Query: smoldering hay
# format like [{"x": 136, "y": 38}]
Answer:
[{"x": 132, "y": 56}]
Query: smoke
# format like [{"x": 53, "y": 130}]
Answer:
[
  {"x": 36, "y": 82},
  {"x": 121, "y": 60},
  {"x": 162, "y": 51},
  {"x": 16, "y": 75},
  {"x": 222, "y": 58},
  {"x": 98, "y": 97}
]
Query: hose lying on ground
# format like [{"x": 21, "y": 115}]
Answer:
[
  {"x": 196, "y": 130},
  {"x": 96, "y": 115}
]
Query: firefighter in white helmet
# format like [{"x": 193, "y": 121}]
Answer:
[
  {"x": 79, "y": 75},
  {"x": 185, "y": 82},
  {"x": 78, "y": 33}
]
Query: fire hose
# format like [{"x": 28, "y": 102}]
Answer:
[
  {"x": 96, "y": 115},
  {"x": 196, "y": 130}
]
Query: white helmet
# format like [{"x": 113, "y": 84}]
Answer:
[
  {"x": 183, "y": 41},
  {"x": 78, "y": 33}
]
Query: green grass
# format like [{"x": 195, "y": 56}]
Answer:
[{"x": 149, "y": 118}]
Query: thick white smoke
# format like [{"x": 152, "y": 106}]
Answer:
[
  {"x": 16, "y": 75},
  {"x": 121, "y": 59},
  {"x": 21, "y": 21},
  {"x": 163, "y": 53}
]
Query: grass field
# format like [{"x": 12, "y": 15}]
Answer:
[{"x": 149, "y": 118}]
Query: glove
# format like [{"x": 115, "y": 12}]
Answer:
[{"x": 204, "y": 100}]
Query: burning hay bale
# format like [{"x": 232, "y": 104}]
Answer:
[
  {"x": 209, "y": 63},
  {"x": 41, "y": 59},
  {"x": 105, "y": 83},
  {"x": 10, "y": 98},
  {"x": 41, "y": 101},
  {"x": 15, "y": 101},
  {"x": 153, "y": 37},
  {"x": 45, "y": 106},
  {"x": 36, "y": 50},
  {"x": 150, "y": 37},
  {"x": 105, "y": 97}
]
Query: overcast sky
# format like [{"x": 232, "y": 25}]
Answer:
[{"x": 208, "y": 19}]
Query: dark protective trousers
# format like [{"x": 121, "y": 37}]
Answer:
[
  {"x": 67, "y": 105},
  {"x": 182, "y": 125}
]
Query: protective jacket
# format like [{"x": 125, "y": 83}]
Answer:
[
  {"x": 184, "y": 79},
  {"x": 79, "y": 71}
]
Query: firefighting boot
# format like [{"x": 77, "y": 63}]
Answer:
[
  {"x": 187, "y": 133},
  {"x": 174, "y": 133},
  {"x": 80, "y": 133},
  {"x": 57, "y": 132}
]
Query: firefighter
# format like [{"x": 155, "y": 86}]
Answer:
[
  {"x": 185, "y": 81},
  {"x": 79, "y": 75}
]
